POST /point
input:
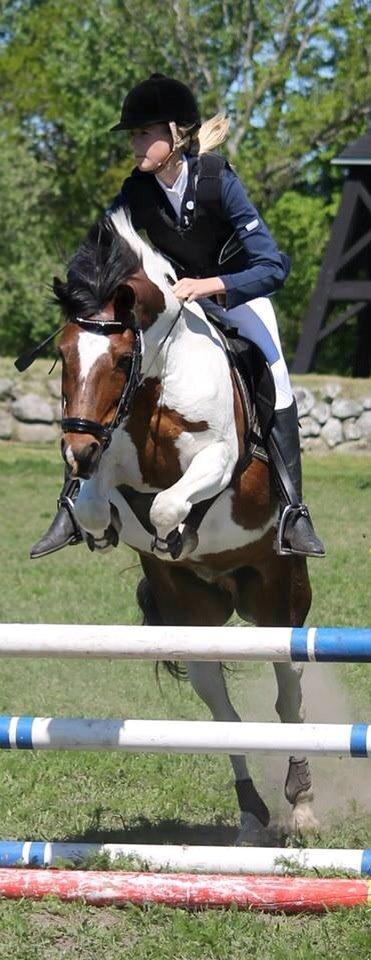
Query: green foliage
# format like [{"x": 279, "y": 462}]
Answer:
[
  {"x": 26, "y": 263},
  {"x": 301, "y": 227},
  {"x": 293, "y": 76}
]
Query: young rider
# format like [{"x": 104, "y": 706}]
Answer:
[{"x": 196, "y": 212}]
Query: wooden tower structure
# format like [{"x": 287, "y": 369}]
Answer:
[{"x": 343, "y": 288}]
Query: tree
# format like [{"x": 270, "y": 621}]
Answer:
[
  {"x": 293, "y": 76},
  {"x": 26, "y": 263}
]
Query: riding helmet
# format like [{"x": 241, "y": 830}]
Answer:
[{"x": 159, "y": 99}]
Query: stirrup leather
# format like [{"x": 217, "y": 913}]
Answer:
[{"x": 67, "y": 502}]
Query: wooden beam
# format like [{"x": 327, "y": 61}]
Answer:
[
  {"x": 350, "y": 290},
  {"x": 338, "y": 321}
]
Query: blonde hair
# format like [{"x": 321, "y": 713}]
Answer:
[{"x": 211, "y": 134}]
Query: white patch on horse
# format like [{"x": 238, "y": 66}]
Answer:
[
  {"x": 90, "y": 346},
  {"x": 68, "y": 455},
  {"x": 219, "y": 532}
]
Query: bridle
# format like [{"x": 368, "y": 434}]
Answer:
[{"x": 133, "y": 381}]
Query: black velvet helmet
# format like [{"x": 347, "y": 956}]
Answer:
[{"x": 159, "y": 100}]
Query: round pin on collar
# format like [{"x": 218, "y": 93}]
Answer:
[{"x": 190, "y": 205}]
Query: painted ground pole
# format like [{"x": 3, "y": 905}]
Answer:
[
  {"x": 101, "y": 888},
  {"x": 193, "y": 859}
]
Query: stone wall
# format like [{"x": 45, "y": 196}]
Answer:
[{"x": 330, "y": 421}]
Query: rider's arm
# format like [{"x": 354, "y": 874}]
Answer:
[{"x": 266, "y": 267}]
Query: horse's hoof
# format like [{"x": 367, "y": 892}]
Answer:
[
  {"x": 178, "y": 544},
  {"x": 251, "y": 832},
  {"x": 189, "y": 540},
  {"x": 303, "y": 821}
]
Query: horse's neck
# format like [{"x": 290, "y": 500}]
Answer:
[{"x": 167, "y": 343}]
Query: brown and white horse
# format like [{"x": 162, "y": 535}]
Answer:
[{"x": 151, "y": 418}]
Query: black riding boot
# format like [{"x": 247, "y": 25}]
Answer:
[
  {"x": 295, "y": 534},
  {"x": 63, "y": 529}
]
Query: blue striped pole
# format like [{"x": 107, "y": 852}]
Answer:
[
  {"x": 323, "y": 644},
  {"x": 196, "y": 859},
  {"x": 183, "y": 736}
]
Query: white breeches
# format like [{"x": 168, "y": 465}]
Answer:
[{"x": 256, "y": 320}]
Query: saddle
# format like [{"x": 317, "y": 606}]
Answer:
[{"x": 255, "y": 385}]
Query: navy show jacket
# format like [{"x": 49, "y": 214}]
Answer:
[{"x": 261, "y": 269}]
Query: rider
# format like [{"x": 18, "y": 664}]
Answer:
[{"x": 196, "y": 212}]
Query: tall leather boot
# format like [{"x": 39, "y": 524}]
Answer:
[
  {"x": 64, "y": 529},
  {"x": 295, "y": 534}
]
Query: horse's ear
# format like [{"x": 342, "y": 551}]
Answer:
[
  {"x": 59, "y": 289},
  {"x": 124, "y": 301}
]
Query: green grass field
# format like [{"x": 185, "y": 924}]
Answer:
[{"x": 159, "y": 797}]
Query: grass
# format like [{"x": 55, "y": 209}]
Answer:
[{"x": 160, "y": 797}]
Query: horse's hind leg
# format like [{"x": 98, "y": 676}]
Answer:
[
  {"x": 212, "y": 606},
  {"x": 208, "y": 681},
  {"x": 298, "y": 786},
  {"x": 279, "y": 596}
]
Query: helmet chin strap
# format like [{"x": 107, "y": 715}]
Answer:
[{"x": 174, "y": 133}]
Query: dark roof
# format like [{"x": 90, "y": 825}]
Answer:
[{"x": 357, "y": 152}]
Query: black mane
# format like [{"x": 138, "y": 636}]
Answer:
[{"x": 100, "y": 264}]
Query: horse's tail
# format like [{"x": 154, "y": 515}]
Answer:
[{"x": 152, "y": 618}]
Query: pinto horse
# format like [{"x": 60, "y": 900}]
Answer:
[{"x": 153, "y": 426}]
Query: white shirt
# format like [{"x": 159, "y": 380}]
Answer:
[{"x": 176, "y": 193}]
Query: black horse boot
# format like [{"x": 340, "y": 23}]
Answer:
[
  {"x": 295, "y": 534},
  {"x": 64, "y": 529}
]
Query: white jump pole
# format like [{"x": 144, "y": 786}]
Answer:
[
  {"x": 178, "y": 736},
  {"x": 193, "y": 859},
  {"x": 343, "y": 644}
]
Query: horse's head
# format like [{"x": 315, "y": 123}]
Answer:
[{"x": 109, "y": 301}]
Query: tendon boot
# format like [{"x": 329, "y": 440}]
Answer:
[
  {"x": 295, "y": 534},
  {"x": 64, "y": 528}
]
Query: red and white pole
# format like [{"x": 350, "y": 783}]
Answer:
[{"x": 102, "y": 888}]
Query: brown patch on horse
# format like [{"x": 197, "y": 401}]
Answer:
[
  {"x": 254, "y": 499},
  {"x": 149, "y": 299},
  {"x": 154, "y": 429},
  {"x": 227, "y": 561},
  {"x": 183, "y": 599}
]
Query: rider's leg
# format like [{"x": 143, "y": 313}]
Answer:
[
  {"x": 256, "y": 321},
  {"x": 63, "y": 529}
]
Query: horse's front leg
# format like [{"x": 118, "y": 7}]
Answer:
[
  {"x": 208, "y": 682},
  {"x": 208, "y": 474},
  {"x": 97, "y": 517}
]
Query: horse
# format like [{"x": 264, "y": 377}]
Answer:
[{"x": 153, "y": 428}]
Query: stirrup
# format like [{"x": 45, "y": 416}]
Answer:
[
  {"x": 62, "y": 532},
  {"x": 311, "y": 546}
]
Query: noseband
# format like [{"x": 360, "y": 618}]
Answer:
[{"x": 104, "y": 433}]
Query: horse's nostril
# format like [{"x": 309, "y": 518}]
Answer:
[{"x": 87, "y": 458}]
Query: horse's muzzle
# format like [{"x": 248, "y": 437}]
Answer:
[{"x": 82, "y": 457}]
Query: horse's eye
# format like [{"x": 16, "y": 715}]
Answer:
[{"x": 124, "y": 363}]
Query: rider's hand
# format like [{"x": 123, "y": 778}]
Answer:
[{"x": 191, "y": 289}]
